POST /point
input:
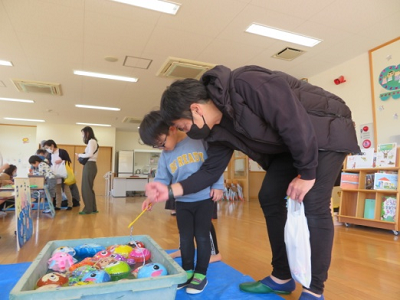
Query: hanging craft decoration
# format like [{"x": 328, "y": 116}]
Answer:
[{"x": 389, "y": 79}]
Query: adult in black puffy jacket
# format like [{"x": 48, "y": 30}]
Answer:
[{"x": 299, "y": 133}]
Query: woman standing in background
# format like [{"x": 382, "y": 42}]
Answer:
[{"x": 89, "y": 171}]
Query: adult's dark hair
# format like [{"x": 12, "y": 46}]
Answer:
[
  {"x": 177, "y": 98},
  {"x": 88, "y": 134},
  {"x": 10, "y": 170},
  {"x": 49, "y": 143},
  {"x": 152, "y": 127},
  {"x": 34, "y": 158}
]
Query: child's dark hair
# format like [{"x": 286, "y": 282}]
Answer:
[
  {"x": 34, "y": 158},
  {"x": 152, "y": 127},
  {"x": 41, "y": 152},
  {"x": 10, "y": 170}
]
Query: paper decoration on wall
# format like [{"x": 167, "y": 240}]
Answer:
[
  {"x": 25, "y": 140},
  {"x": 381, "y": 107},
  {"x": 389, "y": 79}
]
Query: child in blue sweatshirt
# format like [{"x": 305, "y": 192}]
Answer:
[{"x": 181, "y": 157}]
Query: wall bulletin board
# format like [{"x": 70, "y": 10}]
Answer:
[{"x": 384, "y": 62}]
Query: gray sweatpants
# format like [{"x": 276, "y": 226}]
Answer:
[{"x": 88, "y": 196}]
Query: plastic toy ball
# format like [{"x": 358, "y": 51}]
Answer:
[
  {"x": 118, "y": 257},
  {"x": 103, "y": 262},
  {"x": 118, "y": 270},
  {"x": 124, "y": 250},
  {"x": 140, "y": 254},
  {"x": 85, "y": 262},
  {"x": 71, "y": 251},
  {"x": 152, "y": 270},
  {"x": 96, "y": 277},
  {"x": 61, "y": 262},
  {"x": 136, "y": 271},
  {"x": 136, "y": 244},
  {"x": 88, "y": 250},
  {"x": 102, "y": 254},
  {"x": 112, "y": 248},
  {"x": 48, "y": 287},
  {"x": 52, "y": 278},
  {"x": 79, "y": 283}
]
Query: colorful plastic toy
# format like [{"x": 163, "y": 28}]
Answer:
[
  {"x": 65, "y": 249},
  {"x": 52, "y": 278},
  {"x": 124, "y": 250},
  {"x": 61, "y": 262},
  {"x": 88, "y": 261},
  {"x": 118, "y": 270},
  {"x": 88, "y": 250},
  {"x": 140, "y": 254},
  {"x": 49, "y": 287},
  {"x": 135, "y": 244},
  {"x": 98, "y": 276},
  {"x": 102, "y": 254},
  {"x": 152, "y": 270},
  {"x": 112, "y": 248},
  {"x": 103, "y": 262}
]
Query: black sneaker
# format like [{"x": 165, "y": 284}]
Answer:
[
  {"x": 196, "y": 288},
  {"x": 182, "y": 285},
  {"x": 69, "y": 208},
  {"x": 57, "y": 208}
]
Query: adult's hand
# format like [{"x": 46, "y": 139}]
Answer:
[
  {"x": 58, "y": 161},
  {"x": 298, "y": 188},
  {"x": 156, "y": 191}
]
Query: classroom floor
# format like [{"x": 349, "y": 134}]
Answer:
[{"x": 365, "y": 264}]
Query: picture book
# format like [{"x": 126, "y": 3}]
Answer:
[
  {"x": 384, "y": 181},
  {"x": 386, "y": 155},
  {"x": 364, "y": 160},
  {"x": 369, "y": 181},
  {"x": 369, "y": 209},
  {"x": 349, "y": 180},
  {"x": 388, "y": 210}
]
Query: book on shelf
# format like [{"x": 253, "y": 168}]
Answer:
[
  {"x": 385, "y": 181},
  {"x": 363, "y": 160},
  {"x": 369, "y": 209},
  {"x": 349, "y": 180},
  {"x": 386, "y": 155},
  {"x": 388, "y": 210},
  {"x": 369, "y": 181}
]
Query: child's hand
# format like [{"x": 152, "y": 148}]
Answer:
[
  {"x": 147, "y": 204},
  {"x": 216, "y": 195}
]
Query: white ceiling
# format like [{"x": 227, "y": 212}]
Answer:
[{"x": 47, "y": 39}]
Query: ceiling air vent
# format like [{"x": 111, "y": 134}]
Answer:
[
  {"x": 183, "y": 68},
  {"x": 30, "y": 86},
  {"x": 288, "y": 53},
  {"x": 131, "y": 120}
]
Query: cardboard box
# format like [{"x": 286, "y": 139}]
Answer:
[
  {"x": 349, "y": 181},
  {"x": 163, "y": 287}
]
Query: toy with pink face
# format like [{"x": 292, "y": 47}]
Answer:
[
  {"x": 102, "y": 254},
  {"x": 140, "y": 254},
  {"x": 52, "y": 279},
  {"x": 61, "y": 262}
]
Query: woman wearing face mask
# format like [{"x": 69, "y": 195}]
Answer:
[
  {"x": 57, "y": 156},
  {"x": 7, "y": 177},
  {"x": 89, "y": 171}
]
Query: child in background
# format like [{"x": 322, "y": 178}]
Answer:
[
  {"x": 180, "y": 158},
  {"x": 39, "y": 167}
]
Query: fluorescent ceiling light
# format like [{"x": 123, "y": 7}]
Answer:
[
  {"x": 29, "y": 120},
  {"x": 17, "y": 100},
  {"x": 157, "y": 5},
  {"x": 105, "y": 76},
  {"x": 5, "y": 63},
  {"x": 282, "y": 35},
  {"x": 97, "y": 107},
  {"x": 88, "y": 124}
]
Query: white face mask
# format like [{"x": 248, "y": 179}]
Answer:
[{"x": 49, "y": 150}]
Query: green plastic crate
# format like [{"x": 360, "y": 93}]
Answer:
[{"x": 163, "y": 287}]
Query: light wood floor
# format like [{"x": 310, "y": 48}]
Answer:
[{"x": 365, "y": 265}]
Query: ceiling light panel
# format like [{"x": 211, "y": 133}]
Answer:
[
  {"x": 92, "y": 124},
  {"x": 157, "y": 5},
  {"x": 6, "y": 63},
  {"x": 283, "y": 35},
  {"x": 105, "y": 76},
  {"x": 17, "y": 100},
  {"x": 97, "y": 107},
  {"x": 28, "y": 120}
]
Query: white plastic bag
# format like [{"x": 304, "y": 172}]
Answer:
[
  {"x": 60, "y": 170},
  {"x": 297, "y": 240}
]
